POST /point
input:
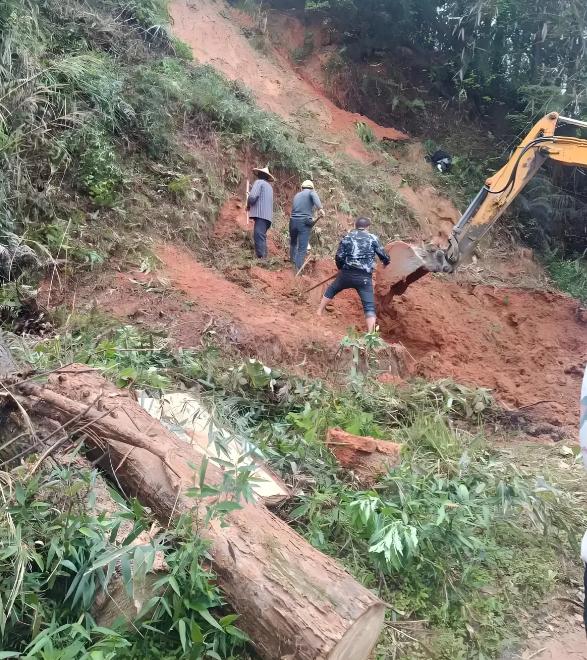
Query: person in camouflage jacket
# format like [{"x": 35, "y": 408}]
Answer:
[{"x": 355, "y": 259}]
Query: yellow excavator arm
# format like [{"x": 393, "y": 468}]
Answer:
[{"x": 408, "y": 263}]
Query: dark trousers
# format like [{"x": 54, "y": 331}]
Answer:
[
  {"x": 360, "y": 281},
  {"x": 299, "y": 237},
  {"x": 260, "y": 236}
]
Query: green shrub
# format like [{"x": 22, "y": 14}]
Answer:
[
  {"x": 57, "y": 555},
  {"x": 99, "y": 169},
  {"x": 126, "y": 356},
  {"x": 181, "y": 50},
  {"x": 365, "y": 133},
  {"x": 301, "y": 54},
  {"x": 569, "y": 276},
  {"x": 180, "y": 187},
  {"x": 445, "y": 524}
]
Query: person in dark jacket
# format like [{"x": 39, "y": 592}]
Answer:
[
  {"x": 355, "y": 260},
  {"x": 301, "y": 222},
  {"x": 260, "y": 208}
]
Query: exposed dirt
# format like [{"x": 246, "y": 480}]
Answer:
[
  {"x": 217, "y": 35},
  {"x": 527, "y": 346},
  {"x": 212, "y": 30},
  {"x": 562, "y": 638},
  {"x": 253, "y": 310},
  {"x": 570, "y": 646},
  {"x": 232, "y": 216},
  {"x": 435, "y": 213}
]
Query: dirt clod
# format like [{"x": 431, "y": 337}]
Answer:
[{"x": 367, "y": 457}]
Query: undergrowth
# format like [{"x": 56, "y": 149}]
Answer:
[
  {"x": 109, "y": 128},
  {"x": 441, "y": 536},
  {"x": 98, "y": 103},
  {"x": 569, "y": 275},
  {"x": 58, "y": 555}
]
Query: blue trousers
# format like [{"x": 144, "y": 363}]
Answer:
[
  {"x": 299, "y": 237},
  {"x": 260, "y": 236}
]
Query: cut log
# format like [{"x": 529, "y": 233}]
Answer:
[
  {"x": 185, "y": 416},
  {"x": 114, "y": 603},
  {"x": 367, "y": 457},
  {"x": 292, "y": 600}
]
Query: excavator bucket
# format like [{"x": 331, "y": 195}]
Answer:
[{"x": 408, "y": 264}]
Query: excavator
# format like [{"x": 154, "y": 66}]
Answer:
[{"x": 409, "y": 263}]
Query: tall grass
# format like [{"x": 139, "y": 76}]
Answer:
[
  {"x": 110, "y": 65},
  {"x": 569, "y": 275},
  {"x": 58, "y": 559}
]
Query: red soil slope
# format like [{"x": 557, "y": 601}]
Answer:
[
  {"x": 529, "y": 347},
  {"x": 212, "y": 31}
]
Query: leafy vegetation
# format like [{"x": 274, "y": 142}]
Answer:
[
  {"x": 97, "y": 100},
  {"x": 505, "y": 54},
  {"x": 456, "y": 535},
  {"x": 59, "y": 552},
  {"x": 365, "y": 133},
  {"x": 442, "y": 535},
  {"x": 441, "y": 530},
  {"x": 569, "y": 276},
  {"x": 304, "y": 51},
  {"x": 85, "y": 109}
]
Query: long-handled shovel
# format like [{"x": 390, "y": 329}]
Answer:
[
  {"x": 247, "y": 201},
  {"x": 303, "y": 266},
  {"x": 319, "y": 284}
]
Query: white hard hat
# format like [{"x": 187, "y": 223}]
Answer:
[{"x": 308, "y": 184}]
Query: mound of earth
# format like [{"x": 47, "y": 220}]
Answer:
[{"x": 529, "y": 347}]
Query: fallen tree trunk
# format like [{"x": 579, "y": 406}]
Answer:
[
  {"x": 293, "y": 601},
  {"x": 185, "y": 417}
]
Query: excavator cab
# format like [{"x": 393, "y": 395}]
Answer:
[{"x": 409, "y": 262}]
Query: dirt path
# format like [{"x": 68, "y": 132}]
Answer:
[
  {"x": 562, "y": 638},
  {"x": 570, "y": 646}
]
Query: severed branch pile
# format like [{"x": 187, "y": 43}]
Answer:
[{"x": 293, "y": 601}]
